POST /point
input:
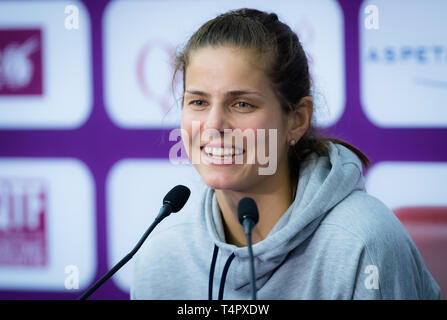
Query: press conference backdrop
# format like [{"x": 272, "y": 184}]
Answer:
[{"x": 87, "y": 119}]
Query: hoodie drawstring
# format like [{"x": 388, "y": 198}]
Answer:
[
  {"x": 224, "y": 274},
  {"x": 213, "y": 266}
]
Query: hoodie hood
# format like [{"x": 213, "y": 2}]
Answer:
[
  {"x": 323, "y": 182},
  {"x": 323, "y": 247}
]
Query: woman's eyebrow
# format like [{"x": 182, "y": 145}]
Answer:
[
  {"x": 227, "y": 94},
  {"x": 197, "y": 93},
  {"x": 242, "y": 92}
]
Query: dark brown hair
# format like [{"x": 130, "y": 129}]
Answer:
[{"x": 287, "y": 68}]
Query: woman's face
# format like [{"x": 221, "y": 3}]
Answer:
[{"x": 226, "y": 90}]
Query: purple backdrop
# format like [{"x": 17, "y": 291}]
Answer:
[{"x": 99, "y": 143}]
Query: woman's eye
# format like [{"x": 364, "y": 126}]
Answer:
[
  {"x": 197, "y": 103},
  {"x": 243, "y": 105}
]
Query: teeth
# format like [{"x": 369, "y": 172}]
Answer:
[{"x": 222, "y": 151}]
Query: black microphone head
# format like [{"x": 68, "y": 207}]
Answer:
[
  {"x": 247, "y": 209},
  {"x": 177, "y": 197}
]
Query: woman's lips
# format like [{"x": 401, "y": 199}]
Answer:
[{"x": 220, "y": 155}]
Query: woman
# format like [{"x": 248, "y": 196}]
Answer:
[{"x": 319, "y": 235}]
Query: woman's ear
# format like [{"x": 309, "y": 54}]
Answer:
[{"x": 300, "y": 118}]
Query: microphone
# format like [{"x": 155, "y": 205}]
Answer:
[
  {"x": 172, "y": 202},
  {"x": 248, "y": 217}
]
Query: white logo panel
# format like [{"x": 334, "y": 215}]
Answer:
[
  {"x": 135, "y": 192},
  {"x": 47, "y": 222},
  {"x": 406, "y": 184},
  {"x": 141, "y": 38},
  {"x": 403, "y": 63},
  {"x": 45, "y": 65}
]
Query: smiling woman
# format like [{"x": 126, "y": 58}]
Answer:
[
  {"x": 247, "y": 94},
  {"x": 234, "y": 95}
]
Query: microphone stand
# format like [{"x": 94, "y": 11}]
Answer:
[
  {"x": 164, "y": 212},
  {"x": 248, "y": 226}
]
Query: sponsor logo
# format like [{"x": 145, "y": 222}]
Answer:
[
  {"x": 21, "y": 62},
  {"x": 153, "y": 85},
  {"x": 411, "y": 55},
  {"x": 23, "y": 209}
]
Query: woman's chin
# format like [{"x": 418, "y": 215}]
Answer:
[
  {"x": 227, "y": 178},
  {"x": 220, "y": 185},
  {"x": 222, "y": 182}
]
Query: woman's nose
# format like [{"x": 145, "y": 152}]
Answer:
[{"x": 216, "y": 119}]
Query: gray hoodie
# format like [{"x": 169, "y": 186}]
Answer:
[{"x": 334, "y": 242}]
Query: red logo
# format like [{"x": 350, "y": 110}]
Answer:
[
  {"x": 23, "y": 207},
  {"x": 21, "y": 62}
]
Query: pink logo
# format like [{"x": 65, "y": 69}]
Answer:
[
  {"x": 162, "y": 98},
  {"x": 23, "y": 207},
  {"x": 21, "y": 62}
]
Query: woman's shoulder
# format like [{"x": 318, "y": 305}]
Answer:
[
  {"x": 364, "y": 222},
  {"x": 367, "y": 219}
]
